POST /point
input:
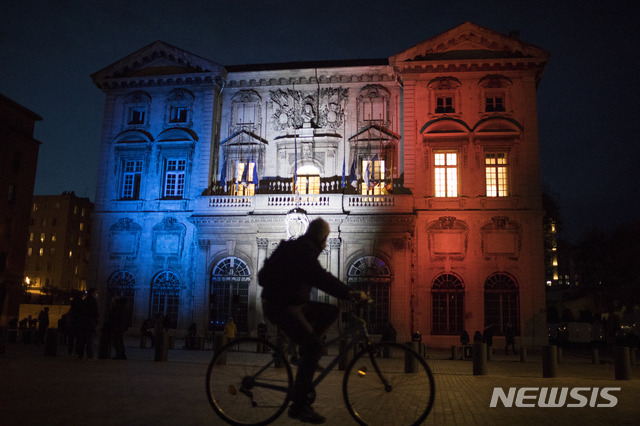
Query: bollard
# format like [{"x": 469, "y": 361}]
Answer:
[
  {"x": 411, "y": 363},
  {"x": 454, "y": 352},
  {"x": 623, "y": 363},
  {"x": 489, "y": 352},
  {"x": 347, "y": 357},
  {"x": 523, "y": 354},
  {"x": 479, "y": 359},
  {"x": 559, "y": 355},
  {"x": 549, "y": 361},
  {"x": 594, "y": 356},
  {"x": 218, "y": 342},
  {"x": 162, "y": 347},
  {"x": 51, "y": 342}
]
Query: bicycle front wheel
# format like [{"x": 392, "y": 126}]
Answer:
[
  {"x": 249, "y": 382},
  {"x": 388, "y": 383}
]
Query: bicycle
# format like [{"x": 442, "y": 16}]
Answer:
[{"x": 385, "y": 383}]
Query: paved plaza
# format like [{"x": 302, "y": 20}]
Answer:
[{"x": 61, "y": 390}]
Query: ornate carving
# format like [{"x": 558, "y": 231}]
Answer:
[
  {"x": 263, "y": 243},
  {"x": 500, "y": 222},
  {"x": 335, "y": 243},
  {"x": 447, "y": 222},
  {"x": 293, "y": 109}
]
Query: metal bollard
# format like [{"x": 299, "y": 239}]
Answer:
[
  {"x": 454, "y": 352},
  {"x": 549, "y": 361},
  {"x": 523, "y": 354},
  {"x": 410, "y": 363},
  {"x": 623, "y": 363},
  {"x": 218, "y": 342},
  {"x": 479, "y": 359},
  {"x": 162, "y": 347},
  {"x": 347, "y": 357},
  {"x": 594, "y": 356}
]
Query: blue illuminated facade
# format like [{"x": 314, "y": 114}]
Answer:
[{"x": 421, "y": 163}]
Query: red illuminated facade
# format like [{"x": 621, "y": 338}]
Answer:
[{"x": 425, "y": 165}]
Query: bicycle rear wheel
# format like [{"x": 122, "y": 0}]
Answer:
[
  {"x": 249, "y": 388},
  {"x": 387, "y": 384}
]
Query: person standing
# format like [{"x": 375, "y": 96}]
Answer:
[
  {"x": 287, "y": 278},
  {"x": 230, "y": 330},
  {"x": 43, "y": 324},
  {"x": 88, "y": 322},
  {"x": 118, "y": 325}
]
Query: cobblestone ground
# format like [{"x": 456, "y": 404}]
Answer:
[{"x": 62, "y": 390}]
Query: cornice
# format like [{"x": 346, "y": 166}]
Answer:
[{"x": 239, "y": 82}]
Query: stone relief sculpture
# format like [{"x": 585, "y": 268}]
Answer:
[{"x": 293, "y": 109}]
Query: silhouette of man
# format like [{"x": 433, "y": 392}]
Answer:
[{"x": 287, "y": 279}]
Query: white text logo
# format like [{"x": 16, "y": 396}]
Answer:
[{"x": 554, "y": 397}]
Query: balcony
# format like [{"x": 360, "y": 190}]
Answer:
[{"x": 312, "y": 203}]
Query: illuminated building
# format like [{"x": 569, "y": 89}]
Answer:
[
  {"x": 425, "y": 164},
  {"x": 18, "y": 160},
  {"x": 59, "y": 243}
]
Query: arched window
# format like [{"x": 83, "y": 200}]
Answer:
[
  {"x": 447, "y": 294},
  {"x": 165, "y": 297},
  {"x": 229, "y": 293},
  {"x": 122, "y": 284},
  {"x": 371, "y": 275},
  {"x": 501, "y": 303}
]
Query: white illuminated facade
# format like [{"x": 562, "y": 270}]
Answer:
[{"x": 425, "y": 165}]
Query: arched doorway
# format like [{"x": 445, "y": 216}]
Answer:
[
  {"x": 165, "y": 297},
  {"x": 371, "y": 275},
  {"x": 501, "y": 303},
  {"x": 229, "y": 293},
  {"x": 447, "y": 295}
]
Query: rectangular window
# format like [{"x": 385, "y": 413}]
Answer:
[
  {"x": 30, "y": 251},
  {"x": 373, "y": 109},
  {"x": 245, "y": 113},
  {"x": 174, "y": 178},
  {"x": 244, "y": 179},
  {"x": 494, "y": 103},
  {"x": 496, "y": 172},
  {"x": 308, "y": 184},
  {"x": 136, "y": 115},
  {"x": 446, "y": 174},
  {"x": 444, "y": 104},
  {"x": 43, "y": 237},
  {"x": 373, "y": 177},
  {"x": 178, "y": 115},
  {"x": 131, "y": 179}
]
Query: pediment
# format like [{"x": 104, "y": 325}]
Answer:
[
  {"x": 375, "y": 133},
  {"x": 158, "y": 58},
  {"x": 244, "y": 137},
  {"x": 467, "y": 42}
]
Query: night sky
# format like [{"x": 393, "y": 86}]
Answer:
[{"x": 589, "y": 97}]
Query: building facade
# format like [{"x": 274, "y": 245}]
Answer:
[
  {"x": 18, "y": 161},
  {"x": 59, "y": 243},
  {"x": 425, "y": 165}
]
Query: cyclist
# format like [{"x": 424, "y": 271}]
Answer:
[{"x": 287, "y": 278}]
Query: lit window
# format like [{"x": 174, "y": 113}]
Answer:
[
  {"x": 446, "y": 174},
  {"x": 81, "y": 226},
  {"x": 29, "y": 251},
  {"x": 70, "y": 253},
  {"x": 373, "y": 176},
  {"x": 496, "y": 172},
  {"x": 31, "y": 236},
  {"x": 79, "y": 241},
  {"x": 53, "y": 238},
  {"x": 131, "y": 179},
  {"x": 42, "y": 237},
  {"x": 308, "y": 181},
  {"x": 41, "y": 252},
  {"x": 174, "y": 178},
  {"x": 444, "y": 104},
  {"x": 245, "y": 173}
]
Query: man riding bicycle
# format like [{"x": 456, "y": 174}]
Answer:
[{"x": 287, "y": 278}]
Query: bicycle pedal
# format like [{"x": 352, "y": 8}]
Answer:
[{"x": 232, "y": 390}]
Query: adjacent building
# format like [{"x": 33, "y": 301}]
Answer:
[
  {"x": 59, "y": 243},
  {"x": 425, "y": 164},
  {"x": 18, "y": 161}
]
